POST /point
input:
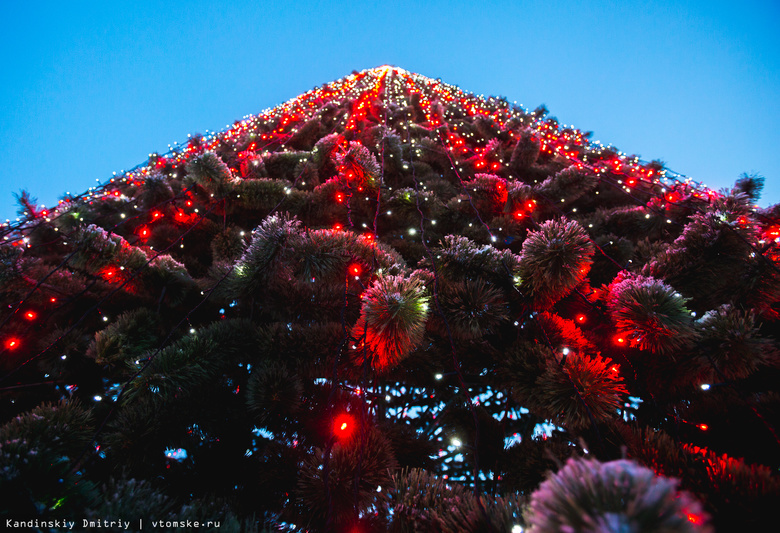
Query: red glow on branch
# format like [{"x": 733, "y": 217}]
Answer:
[
  {"x": 355, "y": 269},
  {"x": 110, "y": 274},
  {"x": 340, "y": 197},
  {"x": 343, "y": 426},
  {"x": 703, "y": 427},
  {"x": 581, "y": 319},
  {"x": 620, "y": 340},
  {"x": 693, "y": 518},
  {"x": 338, "y": 227},
  {"x": 12, "y": 343},
  {"x": 144, "y": 232},
  {"x": 30, "y": 315}
]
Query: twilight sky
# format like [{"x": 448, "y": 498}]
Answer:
[{"x": 91, "y": 90}]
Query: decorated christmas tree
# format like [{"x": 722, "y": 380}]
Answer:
[{"x": 391, "y": 305}]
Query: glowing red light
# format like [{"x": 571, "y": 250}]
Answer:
[
  {"x": 693, "y": 518},
  {"x": 338, "y": 227},
  {"x": 355, "y": 269},
  {"x": 12, "y": 343},
  {"x": 619, "y": 340},
  {"x": 30, "y": 315},
  {"x": 343, "y": 426},
  {"x": 189, "y": 203},
  {"x": 581, "y": 319},
  {"x": 340, "y": 197},
  {"x": 519, "y": 214},
  {"x": 703, "y": 427},
  {"x": 156, "y": 214},
  {"x": 368, "y": 236},
  {"x": 52, "y": 299}
]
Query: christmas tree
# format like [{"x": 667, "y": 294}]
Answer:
[{"x": 391, "y": 305}]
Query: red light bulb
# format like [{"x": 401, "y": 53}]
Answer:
[
  {"x": 355, "y": 269},
  {"x": 693, "y": 518},
  {"x": 343, "y": 426},
  {"x": 12, "y": 343},
  {"x": 703, "y": 427},
  {"x": 30, "y": 315},
  {"x": 619, "y": 340},
  {"x": 581, "y": 319}
]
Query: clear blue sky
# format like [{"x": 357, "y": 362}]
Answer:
[{"x": 94, "y": 89}]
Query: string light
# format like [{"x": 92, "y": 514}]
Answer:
[{"x": 343, "y": 427}]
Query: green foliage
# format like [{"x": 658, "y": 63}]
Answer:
[
  {"x": 155, "y": 190},
  {"x": 211, "y": 173},
  {"x": 254, "y": 270},
  {"x": 180, "y": 370},
  {"x": 461, "y": 258},
  {"x": 555, "y": 259},
  {"x": 283, "y": 252},
  {"x": 525, "y": 153},
  {"x": 731, "y": 344},
  {"x": 285, "y": 165},
  {"x": 750, "y": 185},
  {"x": 345, "y": 480},
  {"x": 273, "y": 392},
  {"x": 36, "y": 450},
  {"x": 10, "y": 267},
  {"x": 614, "y": 496},
  {"x": 650, "y": 313},
  {"x": 569, "y": 184},
  {"x": 735, "y": 493},
  {"x": 424, "y": 502},
  {"x": 228, "y": 244},
  {"x": 127, "y": 339},
  {"x": 392, "y": 321},
  {"x": 583, "y": 391},
  {"x": 99, "y": 249},
  {"x": 358, "y": 166},
  {"x": 473, "y": 309}
]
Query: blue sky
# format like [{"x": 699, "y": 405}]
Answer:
[{"x": 93, "y": 89}]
